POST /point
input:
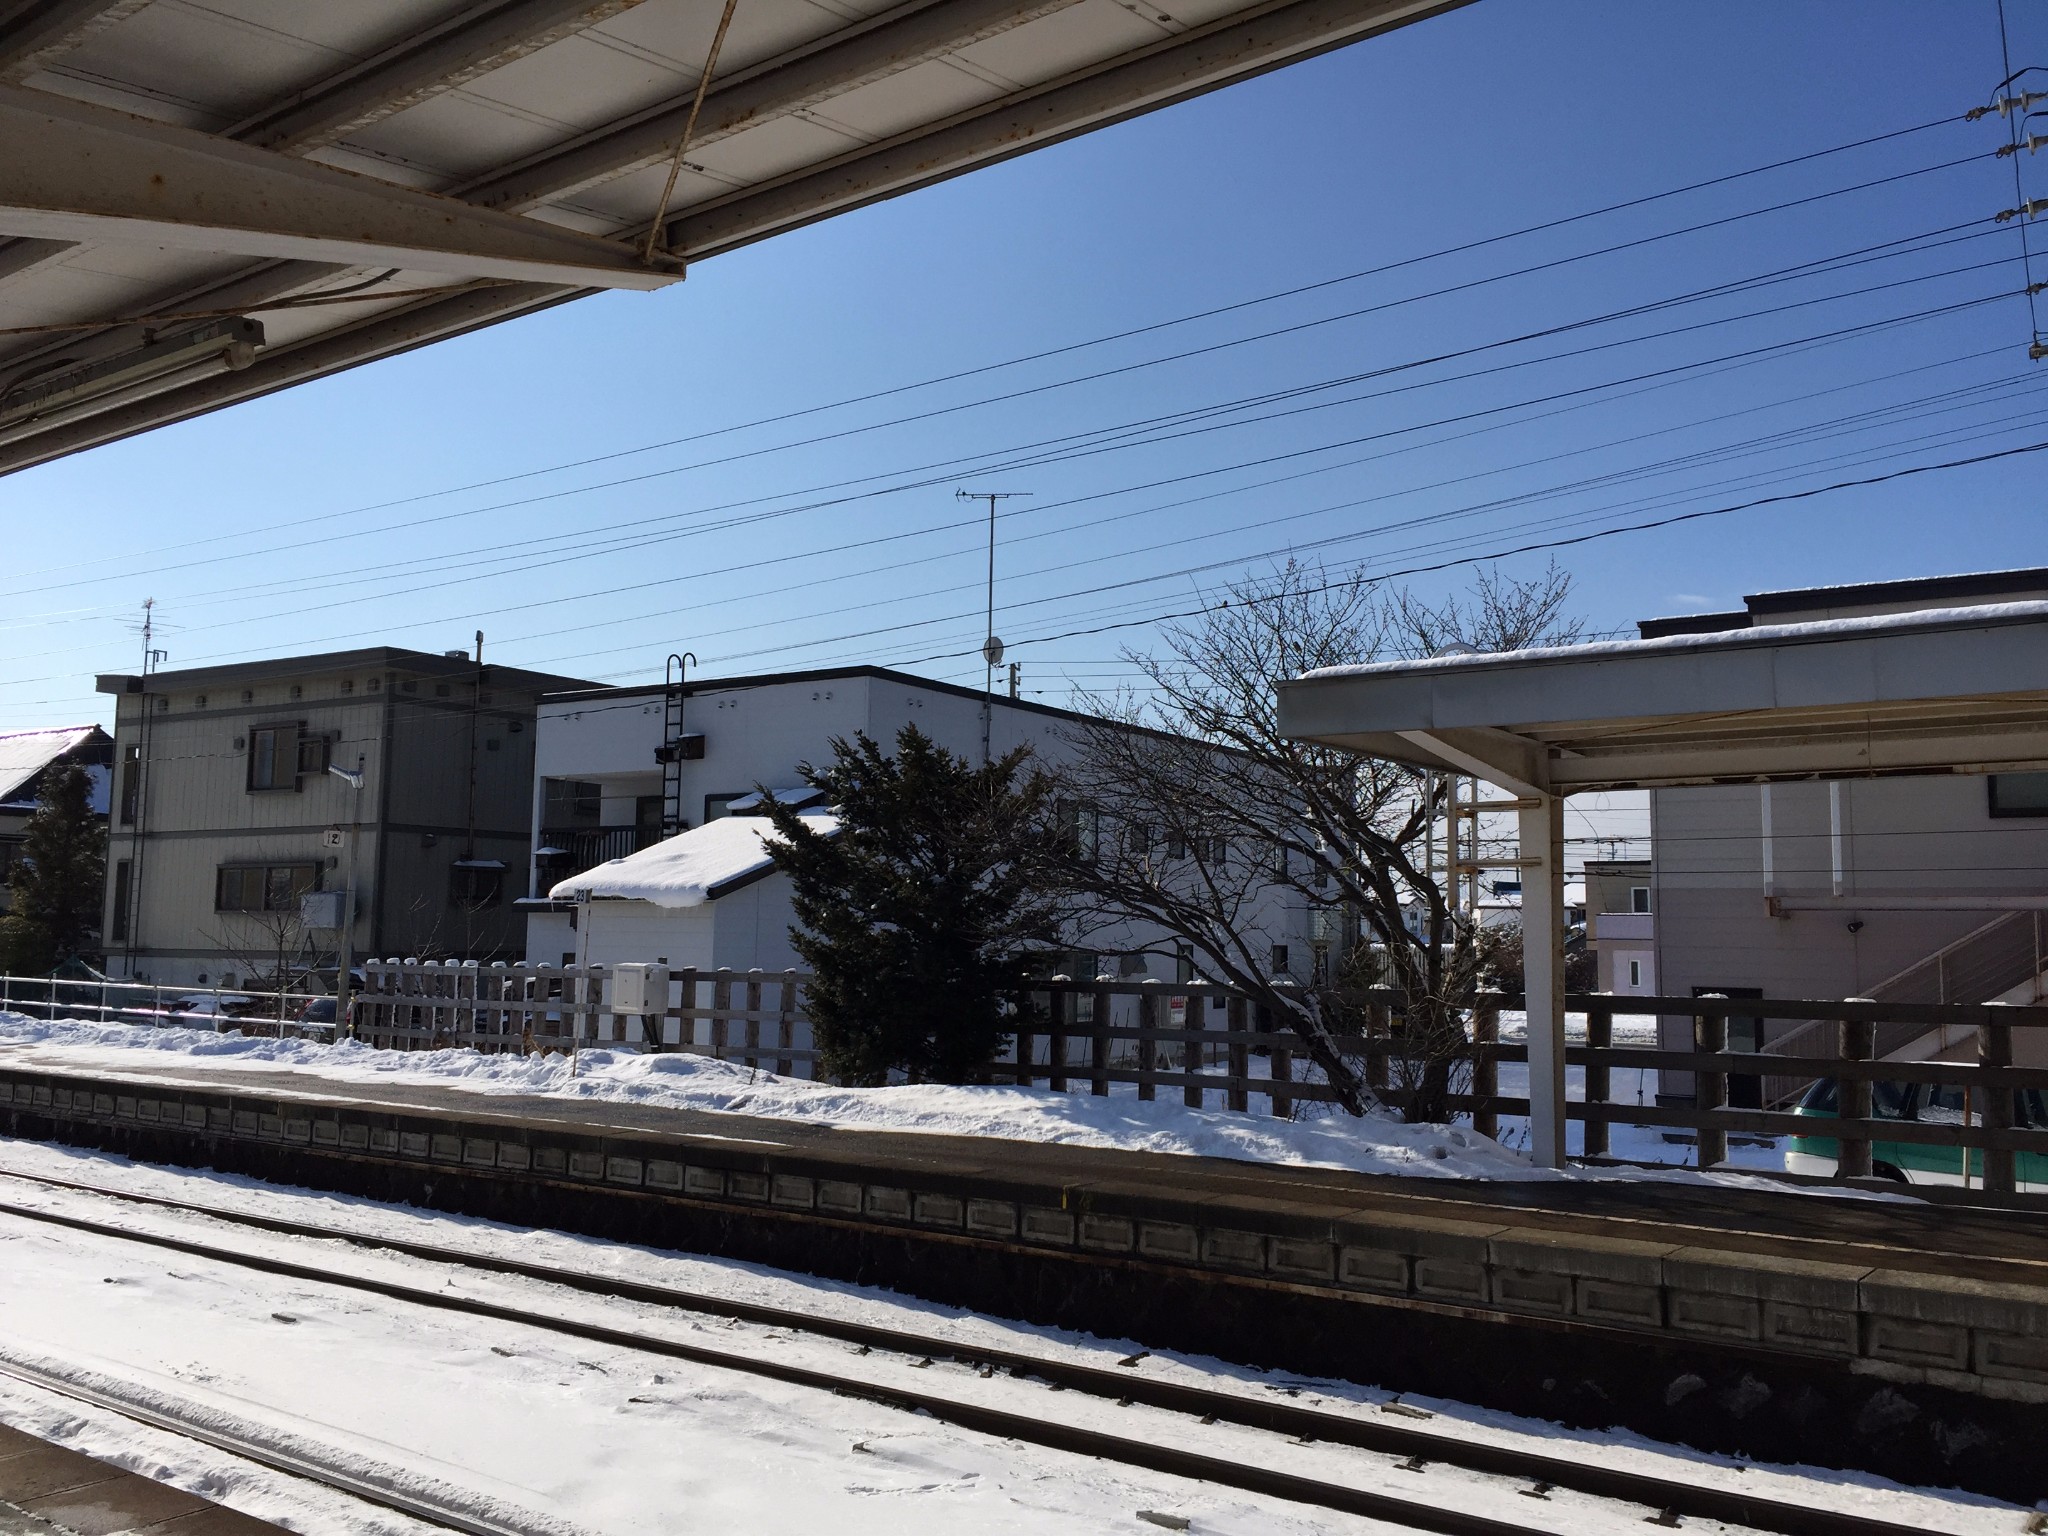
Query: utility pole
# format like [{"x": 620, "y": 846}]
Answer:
[
  {"x": 132, "y": 914},
  {"x": 991, "y": 648},
  {"x": 476, "y": 704},
  {"x": 344, "y": 979}
]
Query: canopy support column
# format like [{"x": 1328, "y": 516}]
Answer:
[{"x": 1542, "y": 851}]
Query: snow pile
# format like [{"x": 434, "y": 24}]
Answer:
[
  {"x": 690, "y": 868},
  {"x": 1374, "y": 1144}
]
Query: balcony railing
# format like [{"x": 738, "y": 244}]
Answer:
[{"x": 582, "y": 848}]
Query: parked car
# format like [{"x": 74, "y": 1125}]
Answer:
[
  {"x": 318, "y": 1013},
  {"x": 1916, "y": 1162}
]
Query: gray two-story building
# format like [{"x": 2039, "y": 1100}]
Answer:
[
  {"x": 1904, "y": 888},
  {"x": 396, "y": 781}
]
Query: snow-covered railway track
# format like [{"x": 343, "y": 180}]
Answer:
[
  {"x": 1663, "y": 1499},
  {"x": 266, "y": 1453}
]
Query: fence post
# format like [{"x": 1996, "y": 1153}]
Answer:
[
  {"x": 1994, "y": 1052},
  {"x": 1379, "y": 1026},
  {"x": 1056, "y": 1042},
  {"x": 1485, "y": 1066},
  {"x": 785, "y": 1029},
  {"x": 1194, "y": 1056},
  {"x": 1853, "y": 1097},
  {"x": 753, "y": 1027},
  {"x": 1599, "y": 1037},
  {"x": 1238, "y": 1054},
  {"x": 1023, "y": 1041},
  {"x": 1710, "y": 1038},
  {"x": 686, "y": 1006},
  {"x": 1281, "y": 1069},
  {"x": 1098, "y": 1043},
  {"x": 721, "y": 1005},
  {"x": 1148, "y": 1041}
]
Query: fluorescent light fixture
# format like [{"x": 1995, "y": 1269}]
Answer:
[{"x": 67, "y": 391}]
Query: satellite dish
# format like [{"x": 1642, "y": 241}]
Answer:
[{"x": 992, "y": 651}]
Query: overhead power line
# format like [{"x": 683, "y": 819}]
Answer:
[{"x": 1130, "y": 333}]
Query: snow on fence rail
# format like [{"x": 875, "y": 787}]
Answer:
[
  {"x": 143, "y": 1002},
  {"x": 1198, "y": 1037}
]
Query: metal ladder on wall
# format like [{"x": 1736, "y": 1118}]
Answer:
[{"x": 673, "y": 673}]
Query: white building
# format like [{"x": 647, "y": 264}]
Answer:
[{"x": 709, "y": 897}]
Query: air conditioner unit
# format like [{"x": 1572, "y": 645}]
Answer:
[
  {"x": 685, "y": 749},
  {"x": 639, "y": 989},
  {"x": 324, "y": 909}
]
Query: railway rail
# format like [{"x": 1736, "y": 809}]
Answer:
[
  {"x": 1665, "y": 1500},
  {"x": 368, "y": 1490}
]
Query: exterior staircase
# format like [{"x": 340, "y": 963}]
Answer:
[{"x": 2000, "y": 962}]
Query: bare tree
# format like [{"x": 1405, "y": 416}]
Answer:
[{"x": 1217, "y": 825}]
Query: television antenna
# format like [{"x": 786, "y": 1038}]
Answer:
[{"x": 991, "y": 647}]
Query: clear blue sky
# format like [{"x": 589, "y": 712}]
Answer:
[{"x": 1502, "y": 115}]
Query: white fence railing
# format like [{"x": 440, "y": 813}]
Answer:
[{"x": 103, "y": 1000}]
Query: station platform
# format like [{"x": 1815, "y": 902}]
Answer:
[
  {"x": 51, "y": 1490},
  {"x": 1891, "y": 1334}
]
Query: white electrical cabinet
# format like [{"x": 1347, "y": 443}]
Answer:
[{"x": 639, "y": 989}]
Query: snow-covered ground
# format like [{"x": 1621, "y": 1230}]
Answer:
[
  {"x": 584, "y": 1438},
  {"x": 1373, "y": 1144}
]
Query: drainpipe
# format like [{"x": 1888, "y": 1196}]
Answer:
[
  {"x": 1835, "y": 831},
  {"x": 1770, "y": 858}
]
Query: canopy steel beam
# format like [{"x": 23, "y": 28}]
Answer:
[
  {"x": 1174, "y": 69},
  {"x": 473, "y": 42},
  {"x": 36, "y": 33},
  {"x": 74, "y": 171},
  {"x": 886, "y": 45}
]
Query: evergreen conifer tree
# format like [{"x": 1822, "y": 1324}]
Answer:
[
  {"x": 915, "y": 917},
  {"x": 58, "y": 878}
]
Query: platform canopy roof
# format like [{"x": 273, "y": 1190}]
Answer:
[
  {"x": 201, "y": 203},
  {"x": 1954, "y": 690}
]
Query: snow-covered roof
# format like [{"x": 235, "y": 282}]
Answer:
[
  {"x": 1756, "y": 637},
  {"x": 692, "y": 867},
  {"x": 24, "y": 754}
]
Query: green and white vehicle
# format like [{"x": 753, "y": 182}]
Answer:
[{"x": 1917, "y": 1162}]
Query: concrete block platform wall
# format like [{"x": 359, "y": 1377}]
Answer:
[{"x": 1775, "y": 1326}]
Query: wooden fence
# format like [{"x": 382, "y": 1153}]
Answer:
[{"x": 1217, "y": 1048}]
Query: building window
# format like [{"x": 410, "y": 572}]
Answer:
[
  {"x": 313, "y": 754},
  {"x": 274, "y": 757},
  {"x": 1635, "y": 973},
  {"x": 117, "y": 924},
  {"x": 717, "y": 806},
  {"x": 1081, "y": 825},
  {"x": 647, "y": 812},
  {"x": 1176, "y": 845},
  {"x": 1279, "y": 966},
  {"x": 476, "y": 885},
  {"x": 571, "y": 803},
  {"x": 263, "y": 887},
  {"x": 1639, "y": 898},
  {"x": 131, "y": 783},
  {"x": 2019, "y": 794}
]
